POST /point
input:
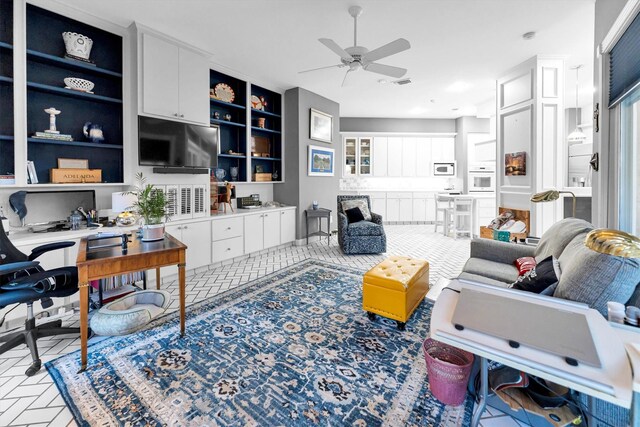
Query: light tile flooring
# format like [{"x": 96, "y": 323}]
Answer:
[{"x": 35, "y": 401}]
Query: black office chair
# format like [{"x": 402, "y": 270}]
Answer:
[{"x": 22, "y": 280}]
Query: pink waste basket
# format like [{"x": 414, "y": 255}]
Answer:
[{"x": 448, "y": 368}]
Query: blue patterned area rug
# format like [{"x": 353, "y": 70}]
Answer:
[{"x": 292, "y": 348}]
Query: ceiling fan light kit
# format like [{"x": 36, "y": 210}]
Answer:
[{"x": 360, "y": 58}]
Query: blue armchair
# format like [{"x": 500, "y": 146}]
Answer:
[{"x": 363, "y": 237}]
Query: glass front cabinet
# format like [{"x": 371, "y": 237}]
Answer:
[{"x": 357, "y": 156}]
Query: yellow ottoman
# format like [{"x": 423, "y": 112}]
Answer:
[{"x": 394, "y": 288}]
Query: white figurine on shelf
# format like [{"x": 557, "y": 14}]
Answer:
[{"x": 52, "y": 119}]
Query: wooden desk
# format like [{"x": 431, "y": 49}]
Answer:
[{"x": 107, "y": 262}]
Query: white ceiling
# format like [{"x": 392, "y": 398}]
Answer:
[{"x": 459, "y": 47}]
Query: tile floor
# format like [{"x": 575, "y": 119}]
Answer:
[{"x": 35, "y": 401}]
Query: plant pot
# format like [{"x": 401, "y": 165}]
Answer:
[{"x": 152, "y": 232}]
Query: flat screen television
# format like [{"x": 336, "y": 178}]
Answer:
[{"x": 175, "y": 144}]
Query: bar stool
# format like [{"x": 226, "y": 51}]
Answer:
[
  {"x": 444, "y": 205},
  {"x": 462, "y": 215}
]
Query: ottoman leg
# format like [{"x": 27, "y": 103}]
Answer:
[
  {"x": 401, "y": 325},
  {"x": 371, "y": 316}
]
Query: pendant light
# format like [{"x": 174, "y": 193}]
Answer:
[{"x": 577, "y": 135}]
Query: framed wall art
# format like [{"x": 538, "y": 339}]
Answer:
[
  {"x": 320, "y": 126},
  {"x": 515, "y": 164},
  {"x": 321, "y": 161}
]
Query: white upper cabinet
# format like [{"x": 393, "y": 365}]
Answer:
[
  {"x": 394, "y": 150},
  {"x": 380, "y": 159},
  {"x": 409, "y": 157},
  {"x": 174, "y": 81},
  {"x": 423, "y": 157},
  {"x": 443, "y": 150}
]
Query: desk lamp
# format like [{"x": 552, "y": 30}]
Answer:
[
  {"x": 123, "y": 203},
  {"x": 613, "y": 242},
  {"x": 552, "y": 195}
]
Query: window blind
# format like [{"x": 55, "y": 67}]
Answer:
[{"x": 624, "y": 62}]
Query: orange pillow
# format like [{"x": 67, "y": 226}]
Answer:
[{"x": 525, "y": 264}]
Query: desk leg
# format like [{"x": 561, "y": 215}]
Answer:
[
  {"x": 83, "y": 286},
  {"x": 157, "y": 278},
  {"x": 484, "y": 391},
  {"x": 306, "y": 222},
  {"x": 181, "y": 284},
  {"x": 329, "y": 230}
]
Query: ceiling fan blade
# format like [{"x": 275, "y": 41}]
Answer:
[
  {"x": 336, "y": 49},
  {"x": 387, "y": 70},
  {"x": 322, "y": 68},
  {"x": 346, "y": 80},
  {"x": 388, "y": 49}
]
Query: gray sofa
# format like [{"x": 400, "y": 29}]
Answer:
[{"x": 586, "y": 276}]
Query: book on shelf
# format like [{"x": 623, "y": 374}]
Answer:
[
  {"x": 7, "y": 179},
  {"x": 53, "y": 136},
  {"x": 32, "y": 177}
]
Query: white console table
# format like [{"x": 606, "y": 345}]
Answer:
[{"x": 613, "y": 382}]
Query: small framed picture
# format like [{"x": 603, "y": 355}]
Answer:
[
  {"x": 515, "y": 164},
  {"x": 320, "y": 126},
  {"x": 321, "y": 161},
  {"x": 64, "y": 163}
]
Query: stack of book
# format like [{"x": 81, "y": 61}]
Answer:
[{"x": 55, "y": 136}]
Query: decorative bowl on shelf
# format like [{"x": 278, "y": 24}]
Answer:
[
  {"x": 224, "y": 92},
  {"x": 77, "y": 44},
  {"x": 77, "y": 83}
]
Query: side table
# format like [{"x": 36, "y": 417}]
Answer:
[{"x": 318, "y": 213}]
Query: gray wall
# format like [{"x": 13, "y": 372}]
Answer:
[
  {"x": 375, "y": 124},
  {"x": 603, "y": 185},
  {"x": 464, "y": 126},
  {"x": 299, "y": 189}
]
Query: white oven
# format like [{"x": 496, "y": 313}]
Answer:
[{"x": 482, "y": 178}]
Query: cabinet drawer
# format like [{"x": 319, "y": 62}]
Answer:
[
  {"x": 226, "y": 228},
  {"x": 227, "y": 249}
]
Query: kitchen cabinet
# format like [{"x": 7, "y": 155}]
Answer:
[
  {"x": 443, "y": 150},
  {"x": 198, "y": 249},
  {"x": 394, "y": 150},
  {"x": 261, "y": 231},
  {"x": 287, "y": 226},
  {"x": 358, "y": 156},
  {"x": 350, "y": 156},
  {"x": 419, "y": 209},
  {"x": 408, "y": 157},
  {"x": 379, "y": 204},
  {"x": 271, "y": 229},
  {"x": 423, "y": 157},
  {"x": 380, "y": 156},
  {"x": 174, "y": 81},
  {"x": 406, "y": 208},
  {"x": 393, "y": 210}
]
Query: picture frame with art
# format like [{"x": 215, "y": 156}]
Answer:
[
  {"x": 320, "y": 126},
  {"x": 321, "y": 161},
  {"x": 515, "y": 164}
]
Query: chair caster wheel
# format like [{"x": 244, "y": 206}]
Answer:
[
  {"x": 33, "y": 368},
  {"x": 401, "y": 326},
  {"x": 371, "y": 316}
]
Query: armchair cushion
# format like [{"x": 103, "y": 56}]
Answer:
[
  {"x": 358, "y": 203},
  {"x": 354, "y": 215},
  {"x": 365, "y": 228}
]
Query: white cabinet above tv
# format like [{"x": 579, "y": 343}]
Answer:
[{"x": 173, "y": 79}]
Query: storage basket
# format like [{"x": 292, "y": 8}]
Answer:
[{"x": 448, "y": 368}]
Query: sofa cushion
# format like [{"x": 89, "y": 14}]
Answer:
[
  {"x": 507, "y": 273},
  {"x": 540, "y": 277},
  {"x": 354, "y": 215},
  {"x": 558, "y": 236},
  {"x": 365, "y": 228},
  {"x": 594, "y": 278},
  {"x": 482, "y": 279},
  {"x": 358, "y": 203}
]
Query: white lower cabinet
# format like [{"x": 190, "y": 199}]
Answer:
[
  {"x": 393, "y": 210},
  {"x": 253, "y": 230},
  {"x": 419, "y": 209},
  {"x": 271, "y": 233},
  {"x": 228, "y": 248},
  {"x": 198, "y": 249},
  {"x": 287, "y": 226},
  {"x": 406, "y": 209},
  {"x": 485, "y": 211}
]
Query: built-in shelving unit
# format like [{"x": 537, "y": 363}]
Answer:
[
  {"x": 266, "y": 131},
  {"x": 7, "y": 143},
  {"x": 47, "y": 67}
]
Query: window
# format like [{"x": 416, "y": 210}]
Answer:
[{"x": 629, "y": 201}]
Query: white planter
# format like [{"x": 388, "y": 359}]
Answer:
[
  {"x": 153, "y": 232},
  {"x": 77, "y": 44}
]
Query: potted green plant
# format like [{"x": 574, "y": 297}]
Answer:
[{"x": 151, "y": 207}]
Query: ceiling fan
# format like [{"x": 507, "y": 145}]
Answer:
[{"x": 359, "y": 57}]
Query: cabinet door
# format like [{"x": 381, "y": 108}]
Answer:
[
  {"x": 160, "y": 77},
  {"x": 185, "y": 196},
  {"x": 176, "y": 232},
  {"x": 423, "y": 157},
  {"x": 406, "y": 209},
  {"x": 431, "y": 209},
  {"x": 194, "y": 87},
  {"x": 394, "y": 150},
  {"x": 364, "y": 155},
  {"x": 271, "y": 229},
  {"x": 380, "y": 156},
  {"x": 253, "y": 233},
  {"x": 197, "y": 238},
  {"x": 419, "y": 209},
  {"x": 408, "y": 157},
  {"x": 379, "y": 206},
  {"x": 443, "y": 149},
  {"x": 287, "y": 226},
  {"x": 350, "y": 156},
  {"x": 393, "y": 210},
  {"x": 200, "y": 201}
]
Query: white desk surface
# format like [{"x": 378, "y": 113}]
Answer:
[
  {"x": 630, "y": 335},
  {"x": 612, "y": 383}
]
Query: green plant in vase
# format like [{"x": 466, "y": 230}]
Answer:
[{"x": 151, "y": 206}]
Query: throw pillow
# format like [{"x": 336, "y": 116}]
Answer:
[
  {"x": 358, "y": 203},
  {"x": 354, "y": 215},
  {"x": 524, "y": 264},
  {"x": 543, "y": 275}
]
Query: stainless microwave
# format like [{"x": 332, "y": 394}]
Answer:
[{"x": 444, "y": 169}]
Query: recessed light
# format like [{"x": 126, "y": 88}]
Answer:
[
  {"x": 455, "y": 109},
  {"x": 529, "y": 35},
  {"x": 433, "y": 101}
]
